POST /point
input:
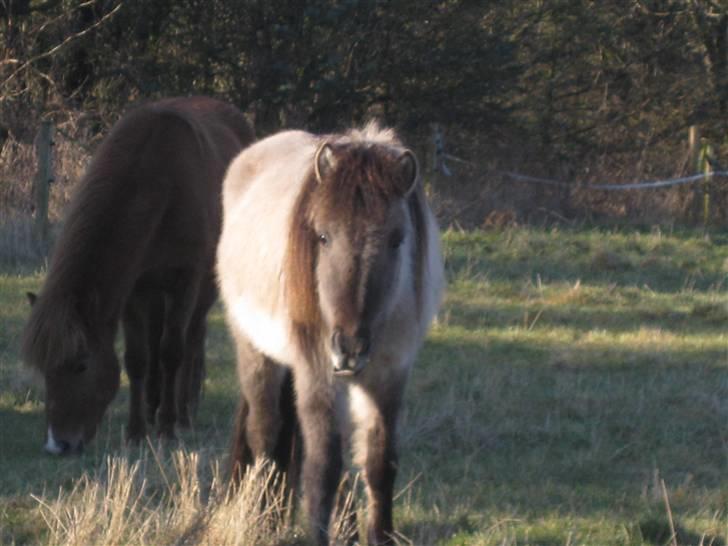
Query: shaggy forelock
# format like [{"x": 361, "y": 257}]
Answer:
[{"x": 360, "y": 185}]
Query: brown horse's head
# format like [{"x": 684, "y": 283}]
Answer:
[
  {"x": 351, "y": 248},
  {"x": 80, "y": 372}
]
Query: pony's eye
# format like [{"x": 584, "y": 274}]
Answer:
[{"x": 323, "y": 239}]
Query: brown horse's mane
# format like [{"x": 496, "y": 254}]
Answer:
[
  {"x": 69, "y": 307},
  {"x": 358, "y": 190}
]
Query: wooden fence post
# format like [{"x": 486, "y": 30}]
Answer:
[
  {"x": 697, "y": 206},
  {"x": 43, "y": 179},
  {"x": 706, "y": 153}
]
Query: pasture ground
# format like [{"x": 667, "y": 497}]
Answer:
[{"x": 574, "y": 391}]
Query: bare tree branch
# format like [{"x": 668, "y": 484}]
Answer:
[{"x": 60, "y": 46}]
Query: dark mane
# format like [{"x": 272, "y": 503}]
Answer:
[
  {"x": 53, "y": 334},
  {"x": 360, "y": 184}
]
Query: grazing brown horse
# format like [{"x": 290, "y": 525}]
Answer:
[
  {"x": 330, "y": 269},
  {"x": 137, "y": 247}
]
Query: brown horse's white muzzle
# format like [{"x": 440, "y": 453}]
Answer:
[
  {"x": 349, "y": 354},
  {"x": 57, "y": 446}
]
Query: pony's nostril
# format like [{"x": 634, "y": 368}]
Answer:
[
  {"x": 349, "y": 346},
  {"x": 362, "y": 346}
]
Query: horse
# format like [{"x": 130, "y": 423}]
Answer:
[
  {"x": 330, "y": 271},
  {"x": 136, "y": 248}
]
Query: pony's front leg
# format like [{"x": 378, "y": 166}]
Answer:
[
  {"x": 380, "y": 472},
  {"x": 377, "y": 431},
  {"x": 322, "y": 458}
]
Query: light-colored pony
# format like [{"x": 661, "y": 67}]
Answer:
[{"x": 330, "y": 269}]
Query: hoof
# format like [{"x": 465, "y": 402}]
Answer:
[
  {"x": 136, "y": 432},
  {"x": 184, "y": 420},
  {"x": 135, "y": 438},
  {"x": 166, "y": 432}
]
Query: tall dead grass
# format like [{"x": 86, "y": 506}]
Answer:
[{"x": 185, "y": 499}]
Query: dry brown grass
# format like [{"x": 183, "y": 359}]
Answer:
[{"x": 183, "y": 500}]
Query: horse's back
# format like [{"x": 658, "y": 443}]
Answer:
[
  {"x": 189, "y": 147},
  {"x": 274, "y": 164}
]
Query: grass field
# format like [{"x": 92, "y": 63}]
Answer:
[{"x": 574, "y": 391}]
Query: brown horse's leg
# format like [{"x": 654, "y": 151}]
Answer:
[
  {"x": 322, "y": 461},
  {"x": 136, "y": 356},
  {"x": 192, "y": 372},
  {"x": 187, "y": 394},
  {"x": 180, "y": 301},
  {"x": 153, "y": 384}
]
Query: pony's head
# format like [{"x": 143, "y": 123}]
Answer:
[
  {"x": 79, "y": 369},
  {"x": 351, "y": 247}
]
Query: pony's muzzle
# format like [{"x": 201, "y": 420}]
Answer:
[
  {"x": 56, "y": 446},
  {"x": 349, "y": 354}
]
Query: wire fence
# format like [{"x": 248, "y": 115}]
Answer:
[{"x": 641, "y": 185}]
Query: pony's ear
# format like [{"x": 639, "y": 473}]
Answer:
[
  {"x": 408, "y": 172},
  {"x": 32, "y": 298},
  {"x": 324, "y": 161}
]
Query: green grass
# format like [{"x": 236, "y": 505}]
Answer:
[{"x": 570, "y": 375}]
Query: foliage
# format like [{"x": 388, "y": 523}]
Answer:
[{"x": 581, "y": 91}]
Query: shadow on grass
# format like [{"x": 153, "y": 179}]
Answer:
[{"x": 507, "y": 426}]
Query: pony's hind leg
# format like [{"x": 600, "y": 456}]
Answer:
[
  {"x": 261, "y": 385},
  {"x": 266, "y": 426},
  {"x": 136, "y": 358},
  {"x": 240, "y": 454}
]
